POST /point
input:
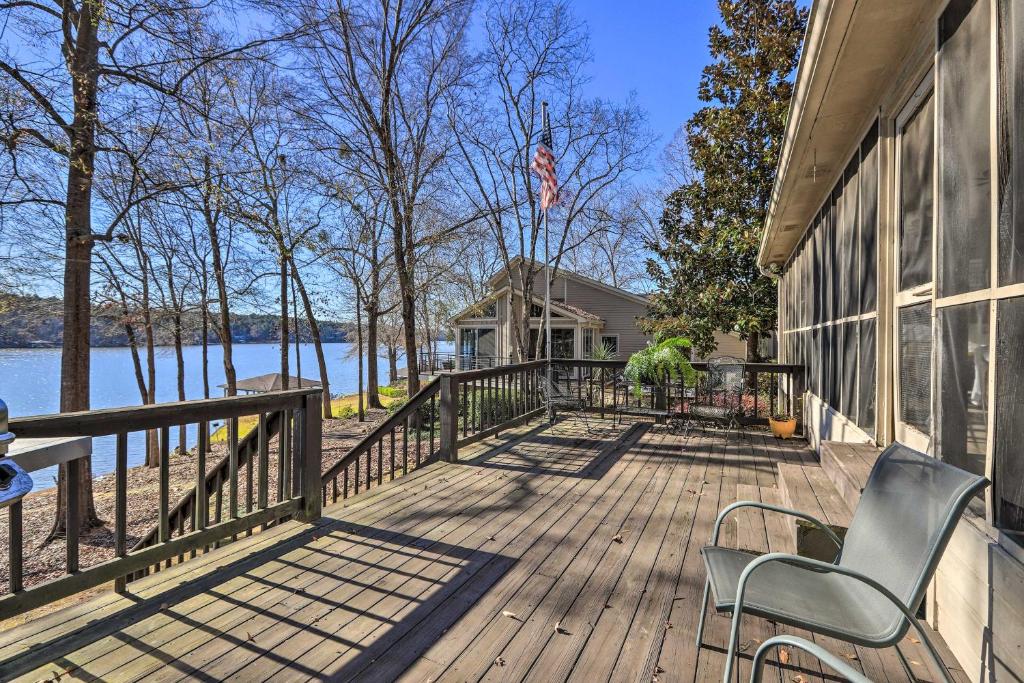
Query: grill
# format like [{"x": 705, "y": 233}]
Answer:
[{"x": 14, "y": 481}]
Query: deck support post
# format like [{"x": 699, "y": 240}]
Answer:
[
  {"x": 309, "y": 444},
  {"x": 449, "y": 448}
]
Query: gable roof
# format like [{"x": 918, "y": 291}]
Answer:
[
  {"x": 560, "y": 307},
  {"x": 502, "y": 276},
  {"x": 272, "y": 382}
]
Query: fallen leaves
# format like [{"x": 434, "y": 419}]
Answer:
[
  {"x": 617, "y": 538},
  {"x": 510, "y": 615},
  {"x": 560, "y": 629},
  {"x": 783, "y": 656},
  {"x": 798, "y": 679},
  {"x": 500, "y": 661},
  {"x": 248, "y": 636}
]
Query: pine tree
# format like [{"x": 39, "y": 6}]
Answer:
[{"x": 710, "y": 228}]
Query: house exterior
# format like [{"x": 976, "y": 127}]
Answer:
[
  {"x": 585, "y": 313},
  {"x": 897, "y": 228}
]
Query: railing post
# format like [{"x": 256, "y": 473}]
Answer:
[
  {"x": 311, "y": 436},
  {"x": 449, "y": 449}
]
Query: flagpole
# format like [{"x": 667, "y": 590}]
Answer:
[{"x": 547, "y": 288}]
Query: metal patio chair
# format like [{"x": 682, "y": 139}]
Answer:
[
  {"x": 870, "y": 593},
  {"x": 719, "y": 400},
  {"x": 558, "y": 399},
  {"x": 815, "y": 650}
]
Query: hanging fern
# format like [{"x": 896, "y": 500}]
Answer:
[{"x": 669, "y": 358}]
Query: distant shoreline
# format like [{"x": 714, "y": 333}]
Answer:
[{"x": 50, "y": 346}]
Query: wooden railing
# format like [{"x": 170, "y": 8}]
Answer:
[
  {"x": 392, "y": 449},
  {"x": 769, "y": 388},
  {"x": 227, "y": 506}
]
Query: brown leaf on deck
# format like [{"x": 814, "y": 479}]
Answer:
[
  {"x": 783, "y": 656},
  {"x": 510, "y": 615},
  {"x": 617, "y": 538}
]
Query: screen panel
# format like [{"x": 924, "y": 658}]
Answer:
[
  {"x": 867, "y": 374},
  {"x": 1011, "y": 142},
  {"x": 961, "y": 424},
  {"x": 868, "y": 231},
  {"x": 965, "y": 170},
  {"x": 917, "y": 148}
]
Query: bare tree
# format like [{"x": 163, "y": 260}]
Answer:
[
  {"x": 380, "y": 71},
  {"x": 536, "y": 50}
]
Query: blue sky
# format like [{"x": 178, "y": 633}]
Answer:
[{"x": 655, "y": 48}]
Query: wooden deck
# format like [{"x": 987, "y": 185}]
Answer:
[{"x": 545, "y": 554}]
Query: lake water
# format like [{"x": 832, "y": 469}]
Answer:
[{"x": 30, "y": 384}]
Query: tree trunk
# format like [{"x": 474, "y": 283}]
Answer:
[
  {"x": 407, "y": 290},
  {"x": 179, "y": 357},
  {"x": 284, "y": 319},
  {"x": 754, "y": 348},
  {"x": 372, "y": 344},
  {"x": 224, "y": 331},
  {"x": 78, "y": 242},
  {"x": 359, "y": 350},
  {"x": 205, "y": 344},
  {"x": 392, "y": 364},
  {"x": 152, "y": 436},
  {"x": 314, "y": 331}
]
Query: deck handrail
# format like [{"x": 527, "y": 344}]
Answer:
[
  {"x": 298, "y": 493},
  {"x": 401, "y": 419}
]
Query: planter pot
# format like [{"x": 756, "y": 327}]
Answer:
[{"x": 782, "y": 429}]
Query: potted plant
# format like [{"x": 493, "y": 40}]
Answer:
[
  {"x": 665, "y": 360},
  {"x": 783, "y": 425}
]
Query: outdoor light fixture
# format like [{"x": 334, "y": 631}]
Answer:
[{"x": 14, "y": 481}]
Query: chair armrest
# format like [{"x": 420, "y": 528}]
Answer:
[
  {"x": 836, "y": 664},
  {"x": 774, "y": 508}
]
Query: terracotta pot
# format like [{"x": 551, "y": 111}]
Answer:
[{"x": 782, "y": 429}]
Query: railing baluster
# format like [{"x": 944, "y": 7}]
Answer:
[
  {"x": 14, "y": 546},
  {"x": 466, "y": 411},
  {"x": 344, "y": 483},
  {"x": 356, "y": 473},
  {"x": 419, "y": 434},
  {"x": 121, "y": 503},
  {"x": 391, "y": 436},
  {"x": 369, "y": 469},
  {"x": 73, "y": 519},
  {"x": 263, "y": 446},
  {"x": 284, "y": 473},
  {"x": 405, "y": 442},
  {"x": 232, "y": 468},
  {"x": 433, "y": 419},
  {"x": 380, "y": 462},
  {"x": 164, "y": 533}
]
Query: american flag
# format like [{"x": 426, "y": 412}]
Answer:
[{"x": 544, "y": 165}]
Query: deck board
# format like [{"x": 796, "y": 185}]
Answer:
[{"x": 596, "y": 532}]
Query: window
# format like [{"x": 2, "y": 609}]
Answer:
[
  {"x": 1011, "y": 142},
  {"x": 610, "y": 342},
  {"x": 917, "y": 148},
  {"x": 965, "y": 173},
  {"x": 563, "y": 343},
  {"x": 829, "y": 293},
  {"x": 477, "y": 341},
  {"x": 961, "y": 424},
  {"x": 588, "y": 343},
  {"x": 537, "y": 311}
]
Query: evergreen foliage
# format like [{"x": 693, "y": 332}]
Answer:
[{"x": 706, "y": 265}]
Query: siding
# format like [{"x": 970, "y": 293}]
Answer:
[{"x": 618, "y": 312}]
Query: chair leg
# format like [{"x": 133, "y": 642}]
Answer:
[
  {"x": 906, "y": 664},
  {"x": 932, "y": 652},
  {"x": 703, "y": 613}
]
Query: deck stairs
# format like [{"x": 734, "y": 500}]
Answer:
[{"x": 828, "y": 489}]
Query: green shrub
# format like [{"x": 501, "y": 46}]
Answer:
[
  {"x": 391, "y": 392},
  {"x": 669, "y": 359}
]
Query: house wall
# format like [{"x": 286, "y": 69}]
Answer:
[
  {"x": 619, "y": 313},
  {"x": 976, "y": 600}
]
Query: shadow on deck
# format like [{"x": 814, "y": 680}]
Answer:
[{"x": 549, "y": 554}]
